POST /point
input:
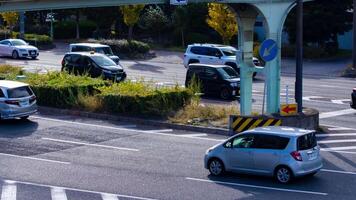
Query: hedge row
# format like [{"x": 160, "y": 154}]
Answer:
[
  {"x": 33, "y": 39},
  {"x": 62, "y": 90}
]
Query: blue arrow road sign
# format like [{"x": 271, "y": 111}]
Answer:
[{"x": 268, "y": 50}]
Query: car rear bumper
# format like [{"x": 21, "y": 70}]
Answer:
[
  {"x": 19, "y": 112},
  {"x": 302, "y": 168}
]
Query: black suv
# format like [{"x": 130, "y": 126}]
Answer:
[
  {"x": 218, "y": 80},
  {"x": 93, "y": 64},
  {"x": 353, "y": 99}
]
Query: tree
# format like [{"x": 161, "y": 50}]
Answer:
[
  {"x": 180, "y": 20},
  {"x": 131, "y": 15},
  {"x": 323, "y": 21},
  {"x": 223, "y": 20},
  {"x": 154, "y": 20},
  {"x": 11, "y": 19}
]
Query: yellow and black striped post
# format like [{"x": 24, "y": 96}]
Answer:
[{"x": 239, "y": 124}]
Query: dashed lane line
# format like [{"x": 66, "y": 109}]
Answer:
[
  {"x": 88, "y": 144},
  {"x": 105, "y": 196},
  {"x": 58, "y": 193},
  {"x": 9, "y": 191},
  {"x": 257, "y": 186},
  {"x": 34, "y": 158}
]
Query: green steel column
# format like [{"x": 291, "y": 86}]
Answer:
[{"x": 246, "y": 22}]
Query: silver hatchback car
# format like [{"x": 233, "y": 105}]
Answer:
[
  {"x": 281, "y": 152},
  {"x": 17, "y": 100}
]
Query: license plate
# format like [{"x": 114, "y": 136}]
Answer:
[
  {"x": 24, "y": 103},
  {"x": 118, "y": 78},
  {"x": 33, "y": 53},
  {"x": 312, "y": 156},
  {"x": 233, "y": 92}
]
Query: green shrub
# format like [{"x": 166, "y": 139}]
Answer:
[
  {"x": 125, "y": 48},
  {"x": 10, "y": 72},
  {"x": 4, "y": 34},
  {"x": 143, "y": 99},
  {"x": 34, "y": 39}
]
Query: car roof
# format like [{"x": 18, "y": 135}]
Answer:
[
  {"x": 210, "y": 45},
  {"x": 85, "y": 53},
  {"x": 11, "y": 84},
  {"x": 281, "y": 131},
  {"x": 206, "y": 65},
  {"x": 89, "y": 44}
]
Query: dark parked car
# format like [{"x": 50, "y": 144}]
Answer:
[
  {"x": 93, "y": 64},
  {"x": 218, "y": 80},
  {"x": 353, "y": 99}
]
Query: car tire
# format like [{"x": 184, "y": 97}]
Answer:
[
  {"x": 24, "y": 118},
  {"x": 15, "y": 55},
  {"x": 225, "y": 93},
  {"x": 216, "y": 167},
  {"x": 283, "y": 174},
  {"x": 34, "y": 58}
]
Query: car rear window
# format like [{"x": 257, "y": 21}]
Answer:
[
  {"x": 271, "y": 142},
  {"x": 1, "y": 94},
  {"x": 20, "y": 92},
  {"x": 307, "y": 141}
]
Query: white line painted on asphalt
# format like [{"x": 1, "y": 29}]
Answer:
[
  {"x": 105, "y": 196},
  {"x": 341, "y": 101},
  {"x": 82, "y": 190},
  {"x": 346, "y": 128},
  {"x": 159, "y": 131},
  {"x": 88, "y": 144},
  {"x": 33, "y": 158},
  {"x": 336, "y": 113},
  {"x": 335, "y": 141},
  {"x": 346, "y": 152},
  {"x": 340, "y": 129},
  {"x": 58, "y": 193},
  {"x": 335, "y": 134},
  {"x": 9, "y": 191},
  {"x": 338, "y": 171},
  {"x": 257, "y": 186},
  {"x": 123, "y": 129},
  {"x": 338, "y": 148},
  {"x": 196, "y": 135}
]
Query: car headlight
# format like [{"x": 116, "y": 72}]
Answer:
[
  {"x": 23, "y": 50},
  {"x": 234, "y": 84},
  {"x": 209, "y": 150}
]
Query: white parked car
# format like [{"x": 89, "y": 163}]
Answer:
[
  {"x": 17, "y": 48},
  {"x": 97, "y": 48},
  {"x": 213, "y": 54}
]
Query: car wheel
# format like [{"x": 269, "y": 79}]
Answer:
[
  {"x": 24, "y": 118},
  {"x": 225, "y": 94},
  {"x": 15, "y": 55},
  {"x": 216, "y": 167},
  {"x": 283, "y": 175}
]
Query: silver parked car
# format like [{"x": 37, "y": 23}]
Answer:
[
  {"x": 281, "y": 152},
  {"x": 17, "y": 100}
]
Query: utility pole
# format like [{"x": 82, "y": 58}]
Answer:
[
  {"x": 299, "y": 57},
  {"x": 354, "y": 37},
  {"x": 22, "y": 25}
]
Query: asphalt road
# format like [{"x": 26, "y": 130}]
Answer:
[{"x": 53, "y": 157}]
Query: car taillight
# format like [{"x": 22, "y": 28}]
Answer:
[
  {"x": 32, "y": 99},
  {"x": 296, "y": 155},
  {"x": 12, "y": 102},
  {"x": 62, "y": 62}
]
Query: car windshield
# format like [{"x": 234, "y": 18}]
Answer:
[
  {"x": 18, "y": 42},
  {"x": 227, "y": 72},
  {"x": 229, "y": 51},
  {"x": 104, "y": 50},
  {"x": 103, "y": 61},
  {"x": 20, "y": 92}
]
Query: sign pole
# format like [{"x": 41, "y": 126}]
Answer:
[
  {"x": 354, "y": 37},
  {"x": 299, "y": 57}
]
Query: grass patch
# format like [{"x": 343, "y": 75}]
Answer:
[{"x": 10, "y": 72}]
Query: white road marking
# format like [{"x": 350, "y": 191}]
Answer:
[
  {"x": 337, "y": 171},
  {"x": 336, "y": 113},
  {"x": 88, "y": 144},
  {"x": 105, "y": 196},
  {"x": 345, "y": 128},
  {"x": 124, "y": 129},
  {"x": 340, "y": 101},
  {"x": 81, "y": 190},
  {"x": 346, "y": 152},
  {"x": 339, "y": 129},
  {"x": 257, "y": 186},
  {"x": 58, "y": 193},
  {"x": 335, "y": 141},
  {"x": 338, "y": 148},
  {"x": 310, "y": 98},
  {"x": 159, "y": 131},
  {"x": 9, "y": 191},
  {"x": 33, "y": 158},
  {"x": 196, "y": 135},
  {"x": 335, "y": 134}
]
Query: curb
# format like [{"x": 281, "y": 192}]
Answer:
[{"x": 140, "y": 121}]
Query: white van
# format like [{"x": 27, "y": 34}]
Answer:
[{"x": 97, "y": 48}]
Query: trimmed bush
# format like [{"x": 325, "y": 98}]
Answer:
[
  {"x": 125, "y": 48},
  {"x": 134, "y": 98},
  {"x": 34, "y": 39},
  {"x": 4, "y": 34},
  {"x": 10, "y": 72}
]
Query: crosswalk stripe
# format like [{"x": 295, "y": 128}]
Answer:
[
  {"x": 9, "y": 191},
  {"x": 334, "y": 141},
  {"x": 336, "y": 135},
  {"x": 105, "y": 196},
  {"x": 338, "y": 148},
  {"x": 58, "y": 193},
  {"x": 336, "y": 113},
  {"x": 339, "y": 129}
]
